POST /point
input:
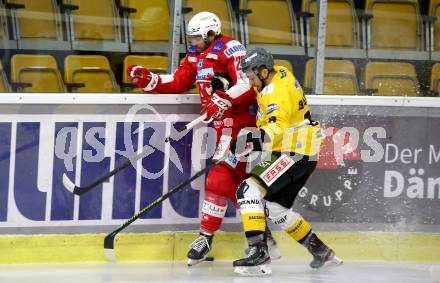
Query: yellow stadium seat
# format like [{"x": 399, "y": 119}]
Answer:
[
  {"x": 94, "y": 20},
  {"x": 222, "y": 8},
  {"x": 38, "y": 20},
  {"x": 342, "y": 25},
  {"x": 39, "y": 71},
  {"x": 150, "y": 23},
  {"x": 339, "y": 77},
  {"x": 391, "y": 78},
  {"x": 93, "y": 71},
  {"x": 95, "y": 26},
  {"x": 435, "y": 78},
  {"x": 271, "y": 22},
  {"x": 157, "y": 64},
  {"x": 434, "y": 10},
  {"x": 284, "y": 63},
  {"x": 4, "y": 85},
  {"x": 395, "y": 24}
]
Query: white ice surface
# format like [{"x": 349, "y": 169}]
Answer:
[{"x": 219, "y": 271}]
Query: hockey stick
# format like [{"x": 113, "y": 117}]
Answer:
[
  {"x": 109, "y": 240},
  {"x": 79, "y": 190}
]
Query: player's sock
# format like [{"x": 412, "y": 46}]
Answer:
[
  {"x": 199, "y": 249},
  {"x": 321, "y": 253}
]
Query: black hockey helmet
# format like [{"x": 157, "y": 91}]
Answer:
[{"x": 258, "y": 57}]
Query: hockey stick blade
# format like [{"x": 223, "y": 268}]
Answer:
[
  {"x": 110, "y": 255},
  {"x": 109, "y": 251},
  {"x": 69, "y": 185}
]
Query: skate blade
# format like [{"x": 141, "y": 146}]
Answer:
[
  {"x": 192, "y": 262},
  {"x": 334, "y": 261},
  {"x": 274, "y": 254},
  {"x": 110, "y": 255},
  {"x": 259, "y": 270}
]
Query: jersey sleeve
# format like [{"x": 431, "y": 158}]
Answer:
[
  {"x": 241, "y": 92},
  {"x": 178, "y": 82}
]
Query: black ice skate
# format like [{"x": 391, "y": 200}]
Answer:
[
  {"x": 271, "y": 245},
  {"x": 256, "y": 263},
  {"x": 199, "y": 249},
  {"x": 322, "y": 254}
]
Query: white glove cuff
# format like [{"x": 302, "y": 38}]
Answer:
[{"x": 153, "y": 83}]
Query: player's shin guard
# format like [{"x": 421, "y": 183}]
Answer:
[
  {"x": 250, "y": 199},
  {"x": 299, "y": 229},
  {"x": 250, "y": 195},
  {"x": 213, "y": 212}
]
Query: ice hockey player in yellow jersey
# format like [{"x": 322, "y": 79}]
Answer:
[{"x": 291, "y": 141}]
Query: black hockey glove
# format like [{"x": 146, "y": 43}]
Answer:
[
  {"x": 221, "y": 81},
  {"x": 247, "y": 142}
]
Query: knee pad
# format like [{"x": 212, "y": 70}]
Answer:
[
  {"x": 250, "y": 189},
  {"x": 250, "y": 196}
]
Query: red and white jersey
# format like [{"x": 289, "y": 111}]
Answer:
[{"x": 223, "y": 56}]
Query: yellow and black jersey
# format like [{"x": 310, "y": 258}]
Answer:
[{"x": 282, "y": 106}]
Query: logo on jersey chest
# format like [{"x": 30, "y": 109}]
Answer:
[
  {"x": 272, "y": 108},
  {"x": 218, "y": 46}
]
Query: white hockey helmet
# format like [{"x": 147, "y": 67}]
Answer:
[{"x": 201, "y": 23}]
